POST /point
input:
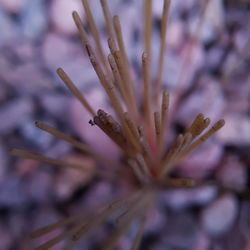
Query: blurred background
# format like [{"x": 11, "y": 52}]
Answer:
[{"x": 206, "y": 70}]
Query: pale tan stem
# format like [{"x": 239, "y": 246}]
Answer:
[
  {"x": 95, "y": 35},
  {"x": 162, "y": 48},
  {"x": 218, "y": 125},
  {"x": 108, "y": 20},
  {"x": 164, "y": 113},
  {"x": 146, "y": 89},
  {"x": 148, "y": 27},
  {"x": 74, "y": 90},
  {"x": 73, "y": 142},
  {"x": 47, "y": 160},
  {"x": 157, "y": 128},
  {"x": 126, "y": 68}
]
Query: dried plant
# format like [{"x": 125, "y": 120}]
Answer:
[{"x": 138, "y": 127}]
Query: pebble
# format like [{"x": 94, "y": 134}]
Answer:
[
  {"x": 232, "y": 174},
  {"x": 182, "y": 198},
  {"x": 6, "y": 238},
  {"x": 12, "y": 6},
  {"x": 71, "y": 57},
  {"x": 9, "y": 30},
  {"x": 68, "y": 180},
  {"x": 181, "y": 230},
  {"x": 14, "y": 114},
  {"x": 25, "y": 51},
  {"x": 17, "y": 224},
  {"x": 58, "y": 149},
  {"x": 191, "y": 58},
  {"x": 12, "y": 193},
  {"x": 202, "y": 242},
  {"x": 55, "y": 105},
  {"x": 156, "y": 219},
  {"x": 175, "y": 34},
  {"x": 213, "y": 57},
  {"x": 215, "y": 13},
  {"x": 236, "y": 130},
  {"x": 3, "y": 161},
  {"x": 100, "y": 193},
  {"x": 39, "y": 185},
  {"x": 28, "y": 78},
  {"x": 219, "y": 216},
  {"x": 61, "y": 15},
  {"x": 24, "y": 167},
  {"x": 211, "y": 103},
  {"x": 194, "y": 165},
  {"x": 34, "y": 20}
]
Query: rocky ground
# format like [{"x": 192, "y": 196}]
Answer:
[{"x": 206, "y": 71}]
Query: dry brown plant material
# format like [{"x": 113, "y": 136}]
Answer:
[{"x": 140, "y": 135}]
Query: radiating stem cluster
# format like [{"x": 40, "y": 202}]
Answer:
[{"x": 137, "y": 126}]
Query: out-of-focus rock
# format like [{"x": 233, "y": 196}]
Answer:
[
  {"x": 155, "y": 221},
  {"x": 93, "y": 135},
  {"x": 17, "y": 224},
  {"x": 241, "y": 41},
  {"x": 5, "y": 238},
  {"x": 219, "y": 216},
  {"x": 3, "y": 92},
  {"x": 182, "y": 198},
  {"x": 207, "y": 99},
  {"x": 12, "y": 6},
  {"x": 25, "y": 50},
  {"x": 232, "y": 174},
  {"x": 202, "y": 161},
  {"x": 128, "y": 22},
  {"x": 236, "y": 130},
  {"x": 70, "y": 56},
  {"x": 9, "y": 30},
  {"x": 181, "y": 230},
  {"x": 213, "y": 20},
  {"x": 39, "y": 185},
  {"x": 55, "y": 104},
  {"x": 65, "y": 50},
  {"x": 69, "y": 180},
  {"x": 12, "y": 193},
  {"x": 14, "y": 114},
  {"x": 30, "y": 77},
  {"x": 191, "y": 58},
  {"x": 99, "y": 194},
  {"x": 175, "y": 34},
  {"x": 202, "y": 242},
  {"x": 213, "y": 57},
  {"x": 3, "y": 161},
  {"x": 61, "y": 15},
  {"x": 26, "y": 166},
  {"x": 179, "y": 5},
  {"x": 214, "y": 14},
  {"x": 34, "y": 20}
]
